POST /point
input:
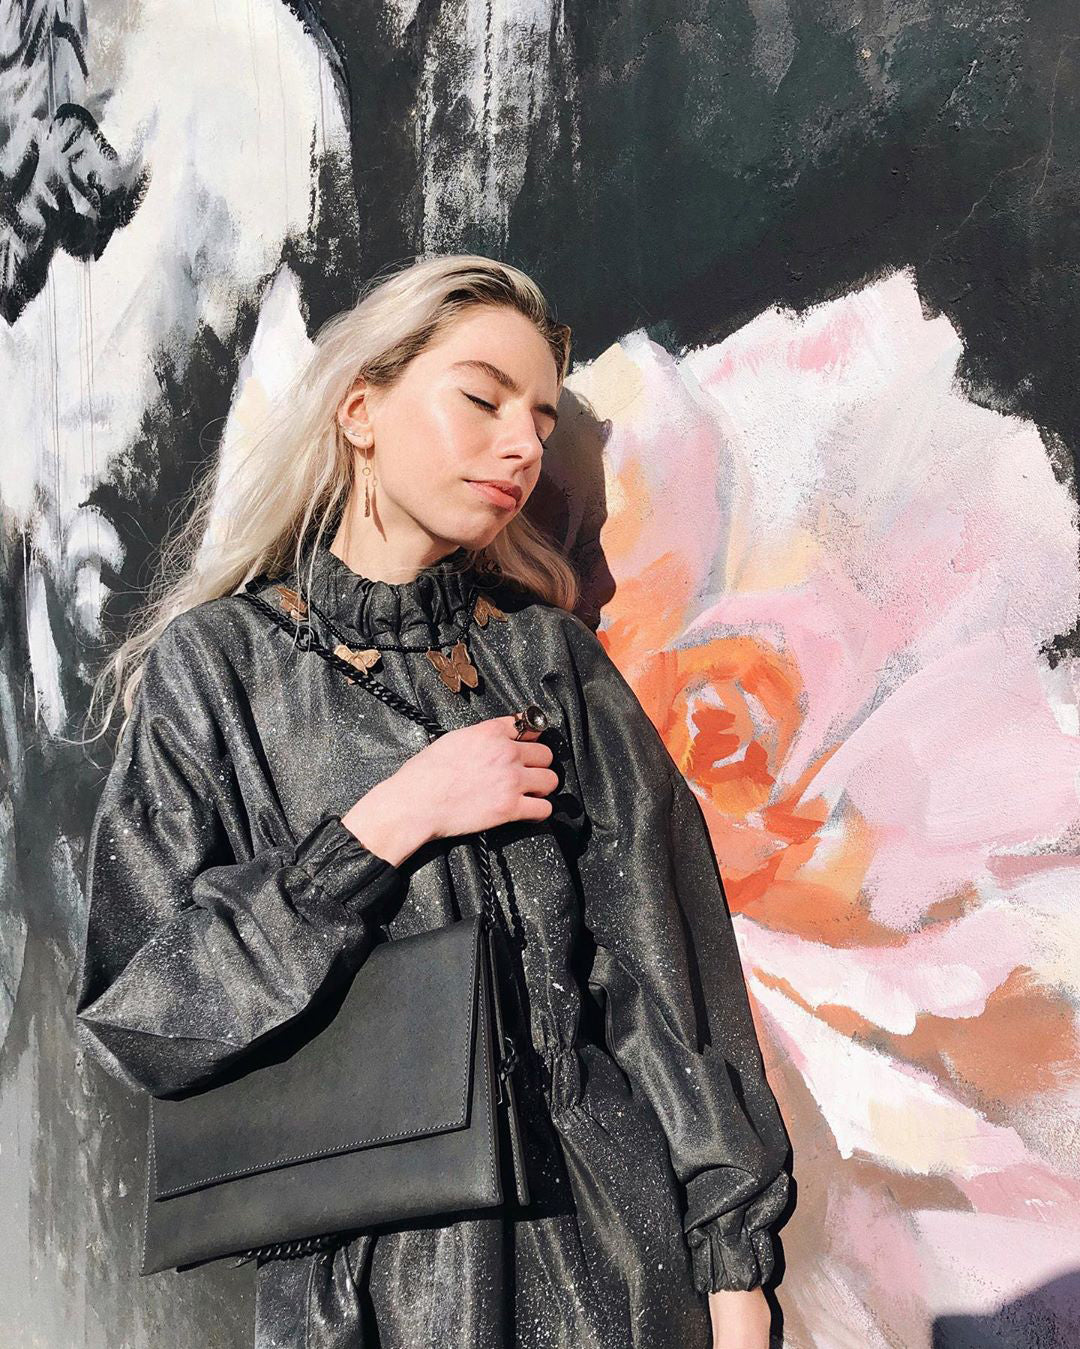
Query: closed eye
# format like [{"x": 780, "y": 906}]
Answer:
[{"x": 492, "y": 408}]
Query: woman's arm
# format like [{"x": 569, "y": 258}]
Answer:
[
  {"x": 668, "y": 967},
  {"x": 192, "y": 955},
  {"x": 740, "y": 1320}
]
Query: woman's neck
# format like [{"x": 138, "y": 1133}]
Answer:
[{"x": 395, "y": 556}]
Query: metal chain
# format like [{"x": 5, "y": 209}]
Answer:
[
  {"x": 307, "y": 641},
  {"x": 289, "y": 1250}
]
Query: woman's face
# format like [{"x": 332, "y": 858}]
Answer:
[{"x": 475, "y": 406}]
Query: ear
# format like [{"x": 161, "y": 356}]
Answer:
[{"x": 354, "y": 413}]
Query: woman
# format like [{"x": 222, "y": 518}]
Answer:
[{"x": 265, "y": 813}]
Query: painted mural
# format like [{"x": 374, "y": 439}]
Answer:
[{"x": 816, "y": 463}]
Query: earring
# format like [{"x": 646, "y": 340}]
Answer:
[{"x": 366, "y": 471}]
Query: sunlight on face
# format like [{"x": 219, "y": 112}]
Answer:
[{"x": 475, "y": 407}]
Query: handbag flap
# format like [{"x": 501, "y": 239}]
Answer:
[{"x": 387, "y": 1058}]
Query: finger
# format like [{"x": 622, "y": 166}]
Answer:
[
  {"x": 525, "y": 735},
  {"x": 508, "y": 724},
  {"x": 502, "y": 726},
  {"x": 534, "y": 808},
  {"x": 535, "y": 756},
  {"x": 541, "y": 780}
]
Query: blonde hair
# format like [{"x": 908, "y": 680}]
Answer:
[{"x": 297, "y": 474}]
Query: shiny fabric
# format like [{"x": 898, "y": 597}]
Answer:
[{"x": 224, "y": 893}]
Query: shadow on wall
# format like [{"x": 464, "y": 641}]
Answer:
[
  {"x": 570, "y": 503},
  {"x": 1046, "y": 1318}
]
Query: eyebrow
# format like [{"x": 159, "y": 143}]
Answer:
[{"x": 511, "y": 385}]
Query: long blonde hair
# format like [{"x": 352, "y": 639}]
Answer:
[{"x": 297, "y": 469}]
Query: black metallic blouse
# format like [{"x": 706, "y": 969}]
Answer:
[{"x": 224, "y": 893}]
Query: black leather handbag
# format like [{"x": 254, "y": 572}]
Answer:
[{"x": 390, "y": 1101}]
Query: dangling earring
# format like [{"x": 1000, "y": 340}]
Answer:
[{"x": 366, "y": 471}]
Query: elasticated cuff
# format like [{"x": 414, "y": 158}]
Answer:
[
  {"x": 343, "y": 867},
  {"x": 736, "y": 1250}
]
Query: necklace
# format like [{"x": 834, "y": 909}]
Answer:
[{"x": 456, "y": 670}]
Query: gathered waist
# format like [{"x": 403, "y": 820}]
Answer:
[
  {"x": 561, "y": 1071},
  {"x": 553, "y": 1056}
]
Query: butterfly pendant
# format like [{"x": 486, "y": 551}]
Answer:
[
  {"x": 291, "y": 602},
  {"x": 484, "y": 609},
  {"x": 363, "y": 660},
  {"x": 456, "y": 670}
]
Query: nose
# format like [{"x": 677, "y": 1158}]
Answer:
[{"x": 523, "y": 445}]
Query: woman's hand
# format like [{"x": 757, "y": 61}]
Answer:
[
  {"x": 466, "y": 780},
  {"x": 740, "y": 1320}
]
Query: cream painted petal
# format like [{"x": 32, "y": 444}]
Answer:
[
  {"x": 885, "y": 1110},
  {"x": 949, "y": 969}
]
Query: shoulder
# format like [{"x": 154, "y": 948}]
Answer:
[
  {"x": 218, "y": 633},
  {"x": 558, "y": 632},
  {"x": 578, "y": 652},
  {"x": 200, "y": 636},
  {"x": 542, "y": 614},
  {"x": 584, "y": 645},
  {"x": 202, "y": 658},
  {"x": 198, "y": 682}
]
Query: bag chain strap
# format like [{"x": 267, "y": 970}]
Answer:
[{"x": 307, "y": 641}]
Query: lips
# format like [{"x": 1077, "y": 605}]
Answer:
[{"x": 498, "y": 491}]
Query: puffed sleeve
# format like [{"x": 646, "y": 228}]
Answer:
[
  {"x": 677, "y": 1011},
  {"x": 192, "y": 954}
]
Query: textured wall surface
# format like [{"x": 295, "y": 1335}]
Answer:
[{"x": 817, "y": 463}]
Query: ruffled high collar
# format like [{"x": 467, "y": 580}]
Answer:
[{"x": 425, "y": 611}]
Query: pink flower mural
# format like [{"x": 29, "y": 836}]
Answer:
[{"x": 837, "y": 579}]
